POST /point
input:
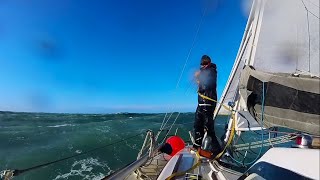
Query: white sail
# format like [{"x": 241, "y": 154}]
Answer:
[
  {"x": 289, "y": 38},
  {"x": 281, "y": 39}
]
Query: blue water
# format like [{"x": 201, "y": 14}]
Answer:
[{"x": 30, "y": 139}]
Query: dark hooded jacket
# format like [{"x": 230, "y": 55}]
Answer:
[{"x": 208, "y": 84}]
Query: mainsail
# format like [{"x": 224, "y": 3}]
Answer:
[{"x": 280, "y": 52}]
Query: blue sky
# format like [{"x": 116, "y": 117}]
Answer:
[{"x": 112, "y": 56}]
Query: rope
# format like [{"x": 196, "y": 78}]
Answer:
[
  {"x": 144, "y": 144},
  {"x": 230, "y": 137},
  {"x": 233, "y": 125},
  {"x": 232, "y": 129},
  {"x": 217, "y": 157},
  {"x": 17, "y": 172},
  {"x": 210, "y": 99}
]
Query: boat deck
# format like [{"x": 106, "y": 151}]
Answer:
[{"x": 151, "y": 170}]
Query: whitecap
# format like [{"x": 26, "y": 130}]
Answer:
[
  {"x": 62, "y": 125},
  {"x": 83, "y": 169}
]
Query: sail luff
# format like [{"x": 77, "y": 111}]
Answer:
[{"x": 258, "y": 21}]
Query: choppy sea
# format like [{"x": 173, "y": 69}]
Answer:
[{"x": 30, "y": 139}]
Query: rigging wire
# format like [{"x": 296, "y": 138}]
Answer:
[
  {"x": 188, "y": 56},
  {"x": 171, "y": 127},
  {"x": 165, "y": 121},
  {"x": 192, "y": 46},
  {"x": 164, "y": 124},
  {"x": 187, "y": 93}
]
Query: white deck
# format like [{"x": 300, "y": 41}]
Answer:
[{"x": 305, "y": 162}]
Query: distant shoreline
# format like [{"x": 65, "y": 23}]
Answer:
[{"x": 118, "y": 113}]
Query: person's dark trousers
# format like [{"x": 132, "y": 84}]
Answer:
[{"x": 204, "y": 119}]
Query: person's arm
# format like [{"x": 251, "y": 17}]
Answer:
[{"x": 196, "y": 76}]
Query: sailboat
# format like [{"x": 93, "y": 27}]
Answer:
[{"x": 274, "y": 82}]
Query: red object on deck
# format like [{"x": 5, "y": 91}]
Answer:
[
  {"x": 176, "y": 144},
  {"x": 299, "y": 140}
]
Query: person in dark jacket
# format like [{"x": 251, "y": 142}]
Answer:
[{"x": 207, "y": 86}]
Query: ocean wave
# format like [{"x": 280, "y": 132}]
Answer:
[
  {"x": 62, "y": 125},
  {"x": 83, "y": 169}
]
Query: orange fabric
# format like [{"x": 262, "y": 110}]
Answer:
[{"x": 206, "y": 154}]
